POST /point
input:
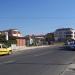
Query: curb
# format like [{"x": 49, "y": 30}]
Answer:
[{"x": 28, "y": 48}]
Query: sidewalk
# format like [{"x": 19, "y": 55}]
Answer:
[
  {"x": 33, "y": 47},
  {"x": 70, "y": 70}
]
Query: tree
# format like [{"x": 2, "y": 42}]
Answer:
[
  {"x": 12, "y": 40},
  {"x": 50, "y": 38}
]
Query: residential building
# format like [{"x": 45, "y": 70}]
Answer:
[
  {"x": 63, "y": 34},
  {"x": 20, "y": 41},
  {"x": 13, "y": 35},
  {"x": 36, "y": 39},
  {"x": 40, "y": 39}
]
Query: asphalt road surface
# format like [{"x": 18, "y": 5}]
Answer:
[{"x": 43, "y": 61}]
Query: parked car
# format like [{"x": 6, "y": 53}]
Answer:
[
  {"x": 4, "y": 50},
  {"x": 70, "y": 44}
]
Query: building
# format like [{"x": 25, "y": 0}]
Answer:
[
  {"x": 20, "y": 41},
  {"x": 13, "y": 35},
  {"x": 35, "y": 40},
  {"x": 64, "y": 34},
  {"x": 40, "y": 40}
]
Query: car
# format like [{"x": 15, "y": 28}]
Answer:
[
  {"x": 70, "y": 44},
  {"x": 4, "y": 50}
]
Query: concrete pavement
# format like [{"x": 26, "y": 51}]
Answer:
[
  {"x": 70, "y": 69},
  {"x": 32, "y": 47},
  {"x": 39, "y": 61}
]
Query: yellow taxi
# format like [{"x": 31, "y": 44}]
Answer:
[{"x": 4, "y": 50}]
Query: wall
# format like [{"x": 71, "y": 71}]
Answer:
[{"x": 21, "y": 42}]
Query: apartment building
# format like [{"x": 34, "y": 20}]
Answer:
[{"x": 63, "y": 34}]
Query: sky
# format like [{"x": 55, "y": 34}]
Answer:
[{"x": 37, "y": 16}]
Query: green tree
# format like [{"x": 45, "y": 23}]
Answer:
[{"x": 12, "y": 40}]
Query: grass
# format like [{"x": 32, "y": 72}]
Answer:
[{"x": 59, "y": 43}]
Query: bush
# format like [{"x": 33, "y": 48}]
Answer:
[{"x": 12, "y": 40}]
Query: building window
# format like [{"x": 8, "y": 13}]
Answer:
[
  {"x": 69, "y": 32},
  {"x": 18, "y": 32},
  {"x": 69, "y": 36},
  {"x": 14, "y": 32}
]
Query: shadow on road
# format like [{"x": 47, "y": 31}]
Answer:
[{"x": 66, "y": 49}]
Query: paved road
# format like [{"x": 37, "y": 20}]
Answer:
[{"x": 42, "y": 61}]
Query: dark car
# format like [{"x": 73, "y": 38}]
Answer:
[{"x": 70, "y": 44}]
